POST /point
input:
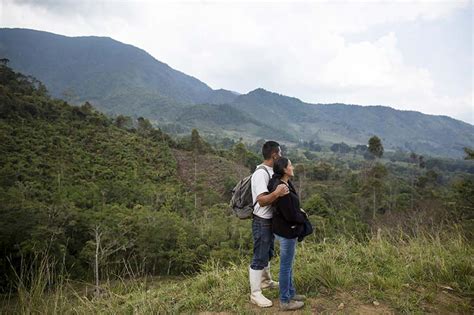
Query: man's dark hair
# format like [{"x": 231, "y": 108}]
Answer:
[{"x": 268, "y": 148}]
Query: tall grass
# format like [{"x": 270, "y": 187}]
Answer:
[
  {"x": 36, "y": 277},
  {"x": 404, "y": 272},
  {"x": 397, "y": 269}
]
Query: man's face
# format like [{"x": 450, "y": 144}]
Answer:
[{"x": 277, "y": 155}]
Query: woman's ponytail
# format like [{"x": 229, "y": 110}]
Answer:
[{"x": 277, "y": 176}]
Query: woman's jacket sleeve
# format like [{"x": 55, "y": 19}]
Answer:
[{"x": 286, "y": 207}]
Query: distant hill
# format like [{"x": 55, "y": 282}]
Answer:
[
  {"x": 231, "y": 121},
  {"x": 100, "y": 69},
  {"x": 123, "y": 79},
  {"x": 406, "y": 130}
]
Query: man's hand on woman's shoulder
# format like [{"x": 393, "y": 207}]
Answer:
[{"x": 282, "y": 190}]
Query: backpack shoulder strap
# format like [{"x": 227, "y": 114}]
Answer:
[
  {"x": 268, "y": 173},
  {"x": 261, "y": 167}
]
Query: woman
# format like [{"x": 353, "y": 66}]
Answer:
[{"x": 287, "y": 225}]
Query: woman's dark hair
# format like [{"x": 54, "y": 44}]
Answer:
[
  {"x": 279, "y": 167},
  {"x": 268, "y": 148}
]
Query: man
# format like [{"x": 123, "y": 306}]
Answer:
[{"x": 263, "y": 239}]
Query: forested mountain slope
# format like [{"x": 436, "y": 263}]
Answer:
[
  {"x": 331, "y": 123},
  {"x": 101, "y": 70},
  {"x": 122, "y": 79},
  {"x": 72, "y": 178}
]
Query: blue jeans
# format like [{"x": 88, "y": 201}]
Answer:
[
  {"x": 287, "y": 257},
  {"x": 263, "y": 242}
]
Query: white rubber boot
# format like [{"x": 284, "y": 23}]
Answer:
[
  {"x": 267, "y": 281},
  {"x": 256, "y": 296}
]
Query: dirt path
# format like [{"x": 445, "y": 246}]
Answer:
[{"x": 325, "y": 305}]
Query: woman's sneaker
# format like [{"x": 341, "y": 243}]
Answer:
[
  {"x": 299, "y": 297},
  {"x": 292, "y": 305}
]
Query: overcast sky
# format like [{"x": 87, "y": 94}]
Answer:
[{"x": 414, "y": 55}]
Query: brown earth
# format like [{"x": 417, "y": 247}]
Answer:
[
  {"x": 444, "y": 302},
  {"x": 340, "y": 303}
]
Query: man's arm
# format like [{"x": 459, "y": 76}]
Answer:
[{"x": 266, "y": 199}]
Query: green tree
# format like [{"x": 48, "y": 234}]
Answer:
[
  {"x": 418, "y": 163},
  {"x": 144, "y": 126},
  {"x": 464, "y": 203},
  {"x": 375, "y": 147},
  {"x": 340, "y": 148},
  {"x": 469, "y": 154},
  {"x": 240, "y": 152},
  {"x": 318, "y": 206},
  {"x": 197, "y": 147},
  {"x": 124, "y": 122},
  {"x": 376, "y": 171}
]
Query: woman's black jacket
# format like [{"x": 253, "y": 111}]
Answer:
[{"x": 287, "y": 217}]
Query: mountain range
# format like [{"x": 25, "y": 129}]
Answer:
[{"x": 122, "y": 79}]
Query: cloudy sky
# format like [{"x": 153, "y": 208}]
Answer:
[{"x": 412, "y": 55}]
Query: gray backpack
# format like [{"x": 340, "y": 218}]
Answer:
[{"x": 241, "y": 202}]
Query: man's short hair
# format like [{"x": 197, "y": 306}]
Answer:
[{"x": 268, "y": 148}]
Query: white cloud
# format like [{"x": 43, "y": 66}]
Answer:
[{"x": 375, "y": 65}]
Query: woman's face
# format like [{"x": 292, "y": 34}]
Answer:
[{"x": 289, "y": 170}]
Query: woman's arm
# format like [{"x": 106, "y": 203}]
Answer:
[{"x": 287, "y": 209}]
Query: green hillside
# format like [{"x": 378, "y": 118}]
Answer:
[
  {"x": 227, "y": 120},
  {"x": 353, "y": 124},
  {"x": 68, "y": 174},
  {"x": 99, "y": 69},
  {"x": 122, "y": 79}
]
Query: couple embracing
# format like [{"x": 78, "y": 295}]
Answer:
[{"x": 276, "y": 214}]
